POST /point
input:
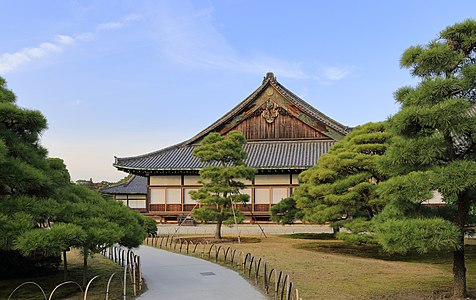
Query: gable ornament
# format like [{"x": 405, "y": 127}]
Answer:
[{"x": 270, "y": 111}]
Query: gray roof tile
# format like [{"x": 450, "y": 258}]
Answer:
[
  {"x": 135, "y": 185},
  {"x": 261, "y": 155}
]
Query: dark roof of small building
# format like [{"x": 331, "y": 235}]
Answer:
[
  {"x": 135, "y": 185},
  {"x": 272, "y": 155}
]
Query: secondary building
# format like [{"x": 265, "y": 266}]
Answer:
[
  {"x": 133, "y": 193},
  {"x": 285, "y": 134}
]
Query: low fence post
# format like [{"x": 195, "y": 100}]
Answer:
[
  {"x": 276, "y": 284},
  {"x": 139, "y": 273},
  {"x": 134, "y": 275},
  {"x": 25, "y": 283},
  {"x": 108, "y": 285}
]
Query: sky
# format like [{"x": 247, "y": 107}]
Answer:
[{"x": 124, "y": 78}]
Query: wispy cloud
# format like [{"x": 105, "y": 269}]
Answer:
[
  {"x": 11, "y": 61},
  {"x": 334, "y": 73},
  {"x": 65, "y": 39},
  {"x": 330, "y": 75},
  {"x": 110, "y": 25},
  {"x": 187, "y": 35},
  {"x": 119, "y": 24}
]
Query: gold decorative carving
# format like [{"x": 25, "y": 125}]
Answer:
[
  {"x": 270, "y": 111},
  {"x": 269, "y": 91}
]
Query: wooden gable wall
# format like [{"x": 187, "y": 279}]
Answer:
[
  {"x": 284, "y": 127},
  {"x": 273, "y": 117}
]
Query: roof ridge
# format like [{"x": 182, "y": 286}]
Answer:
[
  {"x": 290, "y": 141},
  {"x": 125, "y": 184},
  {"x": 300, "y": 102},
  {"x": 268, "y": 78},
  {"x": 135, "y": 185}
]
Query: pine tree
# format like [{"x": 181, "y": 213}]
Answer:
[
  {"x": 342, "y": 185},
  {"x": 221, "y": 180},
  {"x": 434, "y": 148},
  {"x": 42, "y": 213}
]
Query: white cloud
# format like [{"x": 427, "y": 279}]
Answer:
[
  {"x": 132, "y": 17},
  {"x": 119, "y": 24},
  {"x": 10, "y": 61},
  {"x": 65, "y": 39},
  {"x": 110, "y": 25},
  {"x": 85, "y": 37},
  {"x": 334, "y": 73}
]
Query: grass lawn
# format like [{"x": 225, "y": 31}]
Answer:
[
  {"x": 97, "y": 265},
  {"x": 331, "y": 269}
]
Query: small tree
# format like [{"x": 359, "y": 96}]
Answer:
[
  {"x": 221, "y": 180},
  {"x": 285, "y": 212}
]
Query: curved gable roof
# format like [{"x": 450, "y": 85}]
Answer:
[{"x": 263, "y": 155}]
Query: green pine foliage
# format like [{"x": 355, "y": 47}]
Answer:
[
  {"x": 285, "y": 212},
  {"x": 222, "y": 180},
  {"x": 42, "y": 213},
  {"x": 423, "y": 235},
  {"x": 342, "y": 186},
  {"x": 433, "y": 148},
  {"x": 51, "y": 241}
]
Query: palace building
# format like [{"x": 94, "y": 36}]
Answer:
[{"x": 285, "y": 136}]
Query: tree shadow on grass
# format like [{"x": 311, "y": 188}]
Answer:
[{"x": 327, "y": 243}]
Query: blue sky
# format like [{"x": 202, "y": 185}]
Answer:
[{"x": 129, "y": 77}]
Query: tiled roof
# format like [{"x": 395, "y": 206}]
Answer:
[
  {"x": 135, "y": 185},
  {"x": 264, "y": 155}
]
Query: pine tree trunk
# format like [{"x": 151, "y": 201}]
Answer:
[
  {"x": 335, "y": 230},
  {"x": 85, "y": 266},
  {"x": 218, "y": 230},
  {"x": 459, "y": 268},
  {"x": 459, "y": 273},
  {"x": 65, "y": 266}
]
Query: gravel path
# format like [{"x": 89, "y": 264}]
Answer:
[{"x": 180, "y": 277}]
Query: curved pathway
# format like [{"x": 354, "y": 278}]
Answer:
[{"x": 180, "y": 277}]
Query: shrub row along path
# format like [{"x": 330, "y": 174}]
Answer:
[{"x": 175, "y": 276}]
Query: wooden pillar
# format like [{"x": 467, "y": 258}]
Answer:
[{"x": 147, "y": 200}]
